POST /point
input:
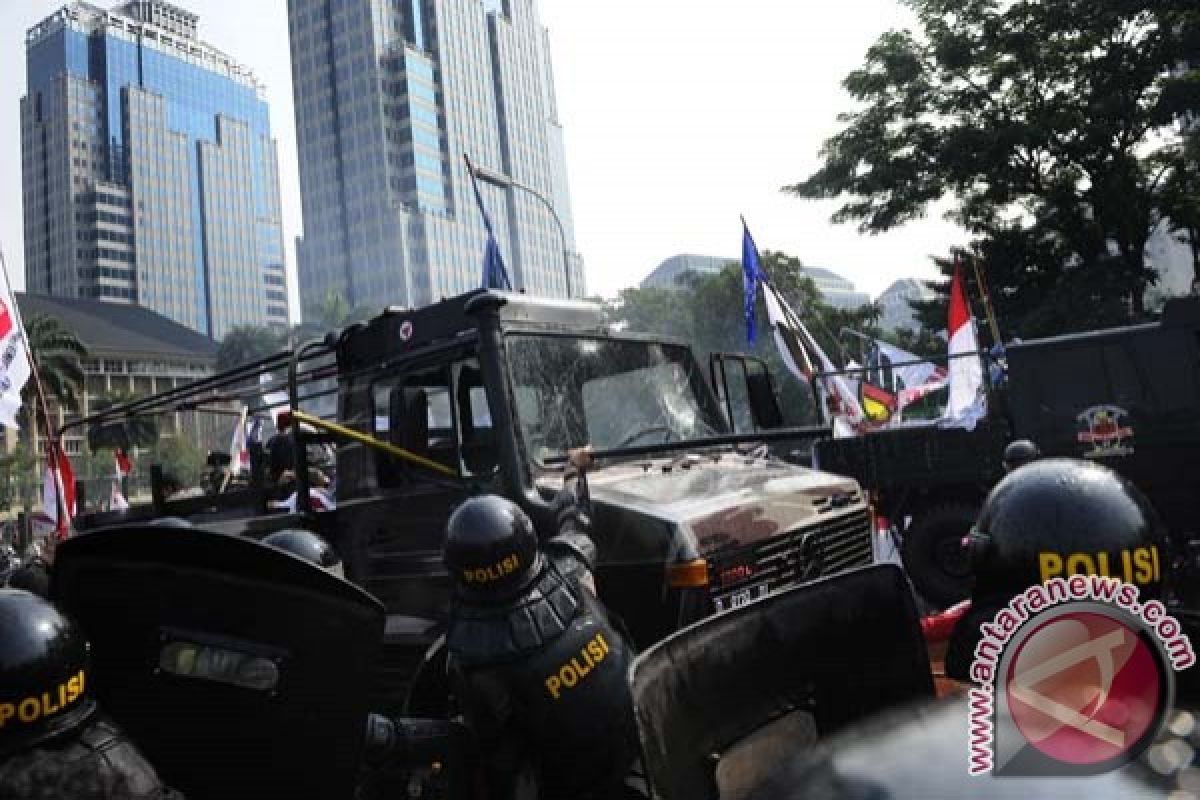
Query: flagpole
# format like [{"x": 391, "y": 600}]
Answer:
[
  {"x": 51, "y": 444},
  {"x": 987, "y": 301}
]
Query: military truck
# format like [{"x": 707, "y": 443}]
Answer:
[
  {"x": 487, "y": 392},
  {"x": 1126, "y": 397}
]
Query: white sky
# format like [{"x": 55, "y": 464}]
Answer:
[{"x": 679, "y": 116}]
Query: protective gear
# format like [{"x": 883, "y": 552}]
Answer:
[
  {"x": 540, "y": 676},
  {"x": 1059, "y": 517},
  {"x": 307, "y": 545},
  {"x": 97, "y": 764},
  {"x": 1054, "y": 518},
  {"x": 1019, "y": 453},
  {"x": 171, "y": 522},
  {"x": 491, "y": 550},
  {"x": 44, "y": 691},
  {"x": 920, "y": 752}
]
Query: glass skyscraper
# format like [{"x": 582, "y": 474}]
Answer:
[
  {"x": 150, "y": 176},
  {"x": 390, "y": 94}
]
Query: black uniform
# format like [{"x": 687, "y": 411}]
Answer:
[{"x": 541, "y": 679}]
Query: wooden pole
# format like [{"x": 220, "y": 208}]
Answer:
[{"x": 986, "y": 296}]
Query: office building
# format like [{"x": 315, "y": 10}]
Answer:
[
  {"x": 674, "y": 271},
  {"x": 149, "y": 174},
  {"x": 895, "y": 304},
  {"x": 390, "y": 94}
]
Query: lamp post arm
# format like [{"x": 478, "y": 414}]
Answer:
[{"x": 562, "y": 231}]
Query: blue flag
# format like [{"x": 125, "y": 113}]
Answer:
[
  {"x": 751, "y": 276},
  {"x": 495, "y": 276}
]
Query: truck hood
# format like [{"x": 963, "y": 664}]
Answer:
[{"x": 709, "y": 503}]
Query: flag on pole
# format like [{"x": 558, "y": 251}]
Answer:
[
  {"x": 965, "y": 371},
  {"x": 122, "y": 463},
  {"x": 276, "y": 402},
  {"x": 116, "y": 499},
  {"x": 805, "y": 358},
  {"x": 58, "y": 489},
  {"x": 751, "y": 276},
  {"x": 495, "y": 275},
  {"x": 239, "y": 455},
  {"x": 14, "y": 358}
]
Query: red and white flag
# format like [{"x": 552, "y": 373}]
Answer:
[
  {"x": 965, "y": 405},
  {"x": 117, "y": 501},
  {"x": 58, "y": 490},
  {"x": 14, "y": 359},
  {"x": 122, "y": 463}
]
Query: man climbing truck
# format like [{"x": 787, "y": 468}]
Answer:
[{"x": 486, "y": 393}]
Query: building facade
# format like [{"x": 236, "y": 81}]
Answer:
[
  {"x": 835, "y": 290},
  {"x": 895, "y": 304},
  {"x": 149, "y": 174},
  {"x": 390, "y": 94}
]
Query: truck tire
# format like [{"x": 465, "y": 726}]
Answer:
[{"x": 933, "y": 554}]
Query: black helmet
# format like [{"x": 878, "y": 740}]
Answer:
[
  {"x": 1057, "y": 517},
  {"x": 44, "y": 679},
  {"x": 307, "y": 545},
  {"x": 1020, "y": 452},
  {"x": 491, "y": 549},
  {"x": 171, "y": 522}
]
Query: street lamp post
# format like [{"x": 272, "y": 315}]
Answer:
[{"x": 505, "y": 182}]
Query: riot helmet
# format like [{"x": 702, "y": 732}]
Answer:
[
  {"x": 307, "y": 545},
  {"x": 170, "y": 522},
  {"x": 44, "y": 677},
  {"x": 1058, "y": 517},
  {"x": 1019, "y": 453},
  {"x": 491, "y": 549}
]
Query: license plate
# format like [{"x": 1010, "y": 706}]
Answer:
[{"x": 741, "y": 597}]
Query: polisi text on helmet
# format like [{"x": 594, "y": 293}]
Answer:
[
  {"x": 1139, "y": 565},
  {"x": 503, "y": 568},
  {"x": 29, "y": 710}
]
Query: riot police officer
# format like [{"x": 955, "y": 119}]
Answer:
[
  {"x": 308, "y": 546},
  {"x": 536, "y": 667},
  {"x": 53, "y": 741},
  {"x": 1020, "y": 452},
  {"x": 1054, "y": 518}
]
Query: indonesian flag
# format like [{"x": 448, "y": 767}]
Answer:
[
  {"x": 239, "y": 454},
  {"x": 14, "y": 359},
  {"x": 58, "y": 490},
  {"x": 117, "y": 501},
  {"x": 965, "y": 371},
  {"x": 122, "y": 464}
]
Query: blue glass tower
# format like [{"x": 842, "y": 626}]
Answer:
[
  {"x": 149, "y": 172},
  {"x": 389, "y": 96}
]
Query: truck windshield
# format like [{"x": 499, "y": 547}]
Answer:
[{"x": 611, "y": 393}]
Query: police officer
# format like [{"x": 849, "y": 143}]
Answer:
[
  {"x": 1019, "y": 453},
  {"x": 1054, "y": 518},
  {"x": 535, "y": 666},
  {"x": 308, "y": 546},
  {"x": 53, "y": 741},
  {"x": 33, "y": 575}
]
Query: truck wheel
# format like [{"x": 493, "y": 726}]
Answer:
[{"x": 933, "y": 554}]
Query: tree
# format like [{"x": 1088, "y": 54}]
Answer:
[
  {"x": 178, "y": 457},
  {"x": 1181, "y": 195},
  {"x": 58, "y": 355},
  {"x": 126, "y": 432},
  {"x": 331, "y": 313},
  {"x": 1044, "y": 121},
  {"x": 246, "y": 344},
  {"x": 706, "y": 312}
]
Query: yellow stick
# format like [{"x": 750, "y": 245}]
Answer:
[{"x": 371, "y": 441}]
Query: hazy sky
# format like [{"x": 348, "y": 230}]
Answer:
[{"x": 679, "y": 116}]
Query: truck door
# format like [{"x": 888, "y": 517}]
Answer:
[{"x": 745, "y": 392}]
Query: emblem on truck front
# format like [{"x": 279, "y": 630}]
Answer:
[{"x": 1104, "y": 432}]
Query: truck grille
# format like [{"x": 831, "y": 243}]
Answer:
[{"x": 834, "y": 545}]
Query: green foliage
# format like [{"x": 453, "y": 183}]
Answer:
[
  {"x": 331, "y": 313},
  {"x": 126, "y": 432},
  {"x": 707, "y": 314},
  {"x": 246, "y": 344},
  {"x": 178, "y": 456},
  {"x": 1052, "y": 124},
  {"x": 58, "y": 354},
  {"x": 20, "y": 478}
]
